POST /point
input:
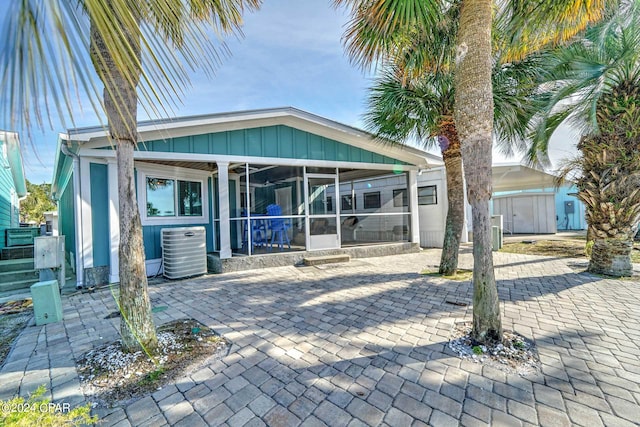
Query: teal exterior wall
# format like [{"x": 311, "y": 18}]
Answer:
[
  {"x": 8, "y": 212},
  {"x": 570, "y": 221},
  {"x": 270, "y": 141},
  {"x": 66, "y": 218},
  {"x": 152, "y": 235},
  {"x": 99, "y": 179}
]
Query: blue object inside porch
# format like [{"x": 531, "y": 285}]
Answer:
[
  {"x": 279, "y": 227},
  {"x": 258, "y": 232}
]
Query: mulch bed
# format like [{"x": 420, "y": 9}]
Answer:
[{"x": 110, "y": 377}]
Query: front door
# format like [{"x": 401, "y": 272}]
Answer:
[{"x": 322, "y": 199}]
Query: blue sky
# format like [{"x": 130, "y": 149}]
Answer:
[{"x": 291, "y": 55}]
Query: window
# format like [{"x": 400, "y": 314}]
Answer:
[
  {"x": 372, "y": 200},
  {"x": 329, "y": 204},
  {"x": 189, "y": 198},
  {"x": 427, "y": 195},
  {"x": 180, "y": 198},
  {"x": 400, "y": 198},
  {"x": 348, "y": 203},
  {"x": 161, "y": 197}
]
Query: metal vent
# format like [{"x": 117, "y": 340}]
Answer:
[{"x": 184, "y": 252}]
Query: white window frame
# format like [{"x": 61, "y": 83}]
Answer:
[{"x": 177, "y": 174}]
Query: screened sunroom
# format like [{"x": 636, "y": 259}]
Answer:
[{"x": 306, "y": 208}]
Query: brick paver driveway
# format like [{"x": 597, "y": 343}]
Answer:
[{"x": 365, "y": 343}]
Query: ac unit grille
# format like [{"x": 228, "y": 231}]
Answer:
[{"x": 184, "y": 252}]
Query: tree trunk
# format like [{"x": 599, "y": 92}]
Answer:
[
  {"x": 455, "y": 199},
  {"x": 611, "y": 257},
  {"x": 121, "y": 102},
  {"x": 137, "y": 327},
  {"x": 474, "y": 121}
]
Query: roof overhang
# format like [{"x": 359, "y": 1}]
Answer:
[
  {"x": 517, "y": 177},
  {"x": 96, "y": 137},
  {"x": 14, "y": 157}
]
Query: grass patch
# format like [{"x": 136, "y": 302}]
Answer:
[
  {"x": 569, "y": 248},
  {"x": 40, "y": 411},
  {"x": 554, "y": 248},
  {"x": 460, "y": 276},
  {"x": 14, "y": 316}
]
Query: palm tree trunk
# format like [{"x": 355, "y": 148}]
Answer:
[
  {"x": 121, "y": 101},
  {"x": 611, "y": 257},
  {"x": 474, "y": 121},
  {"x": 455, "y": 199}
]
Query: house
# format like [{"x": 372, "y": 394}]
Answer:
[
  {"x": 260, "y": 182},
  {"x": 12, "y": 183}
]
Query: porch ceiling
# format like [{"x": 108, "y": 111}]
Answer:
[{"x": 204, "y": 166}]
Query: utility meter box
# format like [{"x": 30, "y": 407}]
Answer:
[
  {"x": 46, "y": 250},
  {"x": 47, "y": 306}
]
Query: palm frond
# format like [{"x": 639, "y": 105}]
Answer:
[
  {"x": 535, "y": 24},
  {"x": 401, "y": 111},
  {"x": 378, "y": 27},
  {"x": 46, "y": 47}
]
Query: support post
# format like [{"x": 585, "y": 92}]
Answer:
[
  {"x": 79, "y": 252},
  {"x": 114, "y": 222},
  {"x": 412, "y": 194},
  {"x": 223, "y": 203}
]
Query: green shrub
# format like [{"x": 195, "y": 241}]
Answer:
[
  {"x": 477, "y": 349},
  {"x": 39, "y": 411}
]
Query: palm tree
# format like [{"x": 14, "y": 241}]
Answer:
[
  {"x": 140, "y": 50},
  {"x": 595, "y": 83},
  {"x": 401, "y": 110},
  {"x": 404, "y": 108},
  {"x": 373, "y": 34}
]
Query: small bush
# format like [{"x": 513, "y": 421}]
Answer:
[
  {"x": 39, "y": 411},
  {"x": 477, "y": 349}
]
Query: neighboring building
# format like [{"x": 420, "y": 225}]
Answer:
[
  {"x": 12, "y": 183},
  {"x": 259, "y": 182},
  {"x": 531, "y": 204}
]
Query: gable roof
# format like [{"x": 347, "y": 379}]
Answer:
[
  {"x": 149, "y": 130},
  {"x": 14, "y": 157}
]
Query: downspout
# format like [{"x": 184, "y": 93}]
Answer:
[{"x": 79, "y": 261}]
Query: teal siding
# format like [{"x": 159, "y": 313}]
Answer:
[
  {"x": 152, "y": 235},
  {"x": 272, "y": 141},
  {"x": 8, "y": 212},
  {"x": 570, "y": 221},
  {"x": 66, "y": 218},
  {"x": 100, "y": 214}
]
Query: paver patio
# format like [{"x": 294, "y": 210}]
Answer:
[{"x": 365, "y": 343}]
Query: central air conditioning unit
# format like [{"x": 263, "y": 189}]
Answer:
[{"x": 184, "y": 252}]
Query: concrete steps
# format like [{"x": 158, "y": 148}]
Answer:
[{"x": 17, "y": 274}]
